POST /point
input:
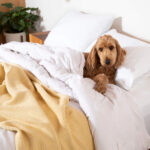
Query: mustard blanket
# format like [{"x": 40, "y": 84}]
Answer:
[{"x": 41, "y": 118}]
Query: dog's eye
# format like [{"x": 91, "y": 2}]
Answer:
[
  {"x": 111, "y": 47},
  {"x": 101, "y": 49}
]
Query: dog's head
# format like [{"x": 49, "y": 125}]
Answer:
[{"x": 106, "y": 52}]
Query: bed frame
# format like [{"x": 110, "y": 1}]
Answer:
[{"x": 117, "y": 24}]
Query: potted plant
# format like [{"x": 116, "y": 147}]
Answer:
[{"x": 17, "y": 22}]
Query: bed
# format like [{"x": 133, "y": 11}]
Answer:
[{"x": 136, "y": 86}]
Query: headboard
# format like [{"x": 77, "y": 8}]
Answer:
[{"x": 132, "y": 16}]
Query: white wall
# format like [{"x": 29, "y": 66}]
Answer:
[{"x": 135, "y": 13}]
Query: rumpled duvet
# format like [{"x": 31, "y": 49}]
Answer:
[{"x": 115, "y": 119}]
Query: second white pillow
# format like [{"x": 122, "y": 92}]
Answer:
[
  {"x": 136, "y": 64},
  {"x": 77, "y": 30}
]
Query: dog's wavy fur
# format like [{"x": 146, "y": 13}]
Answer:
[{"x": 96, "y": 68}]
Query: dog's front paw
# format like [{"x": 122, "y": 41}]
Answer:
[
  {"x": 101, "y": 83},
  {"x": 100, "y": 87}
]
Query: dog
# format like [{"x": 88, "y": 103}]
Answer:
[{"x": 102, "y": 62}]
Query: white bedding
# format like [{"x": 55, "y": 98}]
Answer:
[{"x": 116, "y": 122}]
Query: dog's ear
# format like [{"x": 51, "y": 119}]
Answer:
[
  {"x": 92, "y": 59},
  {"x": 120, "y": 55}
]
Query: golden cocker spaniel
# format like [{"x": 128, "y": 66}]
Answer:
[{"x": 102, "y": 62}]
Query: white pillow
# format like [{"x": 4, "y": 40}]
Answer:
[
  {"x": 124, "y": 41},
  {"x": 77, "y": 30},
  {"x": 136, "y": 64}
]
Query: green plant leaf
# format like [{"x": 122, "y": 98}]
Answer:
[
  {"x": 22, "y": 23},
  {"x": 15, "y": 15},
  {"x": 31, "y": 9},
  {"x": 19, "y": 8},
  {"x": 4, "y": 21},
  {"x": 8, "y": 5}
]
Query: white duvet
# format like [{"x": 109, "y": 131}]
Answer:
[{"x": 115, "y": 119}]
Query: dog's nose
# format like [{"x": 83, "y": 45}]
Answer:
[{"x": 107, "y": 61}]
